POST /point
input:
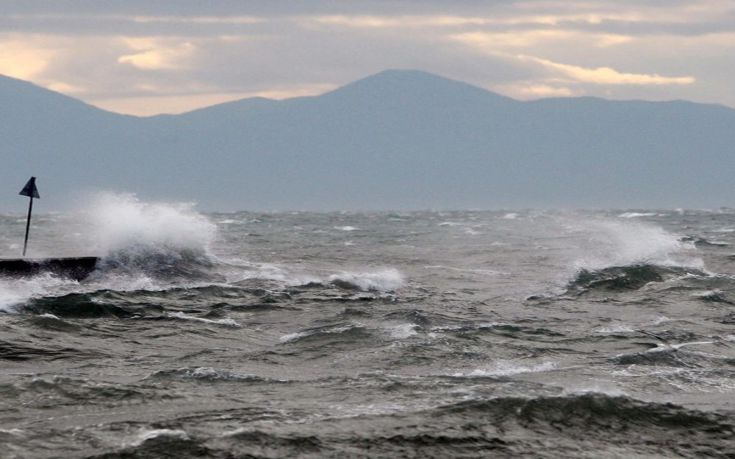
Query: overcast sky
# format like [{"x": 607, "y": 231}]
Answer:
[{"x": 145, "y": 56}]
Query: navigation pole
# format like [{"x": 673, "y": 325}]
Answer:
[{"x": 31, "y": 191}]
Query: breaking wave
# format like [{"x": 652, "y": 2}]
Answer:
[
  {"x": 620, "y": 278},
  {"x": 160, "y": 239},
  {"x": 620, "y": 255},
  {"x": 140, "y": 246},
  {"x": 615, "y": 243},
  {"x": 385, "y": 280}
]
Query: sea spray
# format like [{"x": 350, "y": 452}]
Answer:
[
  {"x": 608, "y": 243},
  {"x": 122, "y": 221},
  {"x": 141, "y": 245},
  {"x": 158, "y": 238}
]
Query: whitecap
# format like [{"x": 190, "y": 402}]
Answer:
[
  {"x": 402, "y": 331},
  {"x": 637, "y": 214},
  {"x": 183, "y": 316},
  {"x": 146, "y": 435},
  {"x": 303, "y": 334},
  {"x": 618, "y": 328},
  {"x": 384, "y": 280},
  {"x": 509, "y": 368}
]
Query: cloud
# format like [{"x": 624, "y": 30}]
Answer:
[
  {"x": 66, "y": 88},
  {"x": 137, "y": 55},
  {"x": 607, "y": 75},
  {"x": 161, "y": 102},
  {"x": 495, "y": 41},
  {"x": 152, "y": 54},
  {"x": 198, "y": 20},
  {"x": 534, "y": 90},
  {"x": 23, "y": 57}
]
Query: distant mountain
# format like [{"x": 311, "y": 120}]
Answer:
[{"x": 400, "y": 139}]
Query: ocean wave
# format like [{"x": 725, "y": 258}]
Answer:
[
  {"x": 615, "y": 329},
  {"x": 50, "y": 391},
  {"x": 183, "y": 316},
  {"x": 18, "y": 352},
  {"x": 508, "y": 368},
  {"x": 210, "y": 374},
  {"x": 150, "y": 434},
  {"x": 347, "y": 331},
  {"x": 637, "y": 214},
  {"x": 673, "y": 355},
  {"x": 384, "y": 280},
  {"x": 593, "y": 412},
  {"x": 713, "y": 296},
  {"x": 402, "y": 331},
  {"x": 77, "y": 305},
  {"x": 630, "y": 277},
  {"x": 703, "y": 242},
  {"x": 609, "y": 243},
  {"x": 14, "y": 292}
]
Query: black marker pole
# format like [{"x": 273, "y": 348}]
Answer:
[{"x": 31, "y": 191}]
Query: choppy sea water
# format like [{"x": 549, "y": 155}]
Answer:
[{"x": 421, "y": 334}]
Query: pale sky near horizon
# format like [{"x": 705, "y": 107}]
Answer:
[{"x": 146, "y": 57}]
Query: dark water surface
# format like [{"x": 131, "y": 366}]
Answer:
[{"x": 452, "y": 334}]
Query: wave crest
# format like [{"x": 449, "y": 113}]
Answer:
[{"x": 630, "y": 277}]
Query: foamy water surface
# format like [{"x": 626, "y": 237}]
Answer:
[{"x": 424, "y": 334}]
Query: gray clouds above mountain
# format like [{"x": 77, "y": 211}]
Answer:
[{"x": 151, "y": 57}]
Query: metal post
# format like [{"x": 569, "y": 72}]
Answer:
[
  {"x": 28, "y": 225},
  {"x": 31, "y": 191}
]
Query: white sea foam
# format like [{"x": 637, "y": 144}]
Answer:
[
  {"x": 617, "y": 328},
  {"x": 346, "y": 228},
  {"x": 660, "y": 320},
  {"x": 293, "y": 336},
  {"x": 509, "y": 368},
  {"x": 49, "y": 316},
  {"x": 184, "y": 316},
  {"x": 637, "y": 214},
  {"x": 334, "y": 330},
  {"x": 402, "y": 331},
  {"x": 210, "y": 373},
  {"x": 17, "y": 291},
  {"x": 510, "y": 216},
  {"x": 599, "y": 388},
  {"x": 146, "y": 435},
  {"x": 484, "y": 272},
  {"x": 383, "y": 280}
]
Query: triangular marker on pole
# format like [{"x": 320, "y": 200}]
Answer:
[{"x": 31, "y": 191}]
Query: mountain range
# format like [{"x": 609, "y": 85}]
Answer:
[{"x": 400, "y": 139}]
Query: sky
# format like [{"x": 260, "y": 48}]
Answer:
[{"x": 145, "y": 57}]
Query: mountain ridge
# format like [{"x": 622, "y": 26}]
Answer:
[
  {"x": 400, "y": 139},
  {"x": 376, "y": 76}
]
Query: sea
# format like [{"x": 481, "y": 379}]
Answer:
[{"x": 439, "y": 334}]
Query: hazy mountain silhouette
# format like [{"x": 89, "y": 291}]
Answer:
[{"x": 395, "y": 140}]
